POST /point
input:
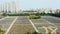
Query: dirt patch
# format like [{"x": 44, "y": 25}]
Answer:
[{"x": 21, "y": 29}]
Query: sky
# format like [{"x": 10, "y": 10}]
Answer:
[{"x": 32, "y": 4}]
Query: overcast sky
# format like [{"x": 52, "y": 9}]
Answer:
[{"x": 28, "y": 4}]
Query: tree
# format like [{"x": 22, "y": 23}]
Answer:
[{"x": 51, "y": 11}]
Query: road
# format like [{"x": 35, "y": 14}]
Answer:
[{"x": 53, "y": 20}]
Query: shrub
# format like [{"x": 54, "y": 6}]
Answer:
[
  {"x": 22, "y": 14},
  {"x": 4, "y": 14},
  {"x": 2, "y": 32},
  {"x": 49, "y": 33},
  {"x": 28, "y": 33},
  {"x": 34, "y": 17},
  {"x": 40, "y": 33},
  {"x": 35, "y": 32}
]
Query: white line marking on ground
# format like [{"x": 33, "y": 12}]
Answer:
[
  {"x": 3, "y": 18},
  {"x": 46, "y": 29},
  {"x": 33, "y": 24},
  {"x": 11, "y": 25},
  {"x": 50, "y": 23}
]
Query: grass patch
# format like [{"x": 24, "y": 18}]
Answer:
[
  {"x": 34, "y": 17},
  {"x": 33, "y": 33},
  {"x": 2, "y": 32}
]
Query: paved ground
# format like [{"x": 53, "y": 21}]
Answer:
[
  {"x": 53, "y": 20},
  {"x": 2, "y": 17},
  {"x": 41, "y": 25},
  {"x": 21, "y": 26},
  {"x": 22, "y": 20},
  {"x": 6, "y": 22}
]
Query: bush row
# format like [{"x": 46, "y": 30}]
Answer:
[
  {"x": 33, "y": 33},
  {"x": 56, "y": 15},
  {"x": 18, "y": 14},
  {"x": 37, "y": 14},
  {"x": 39, "y": 33}
]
